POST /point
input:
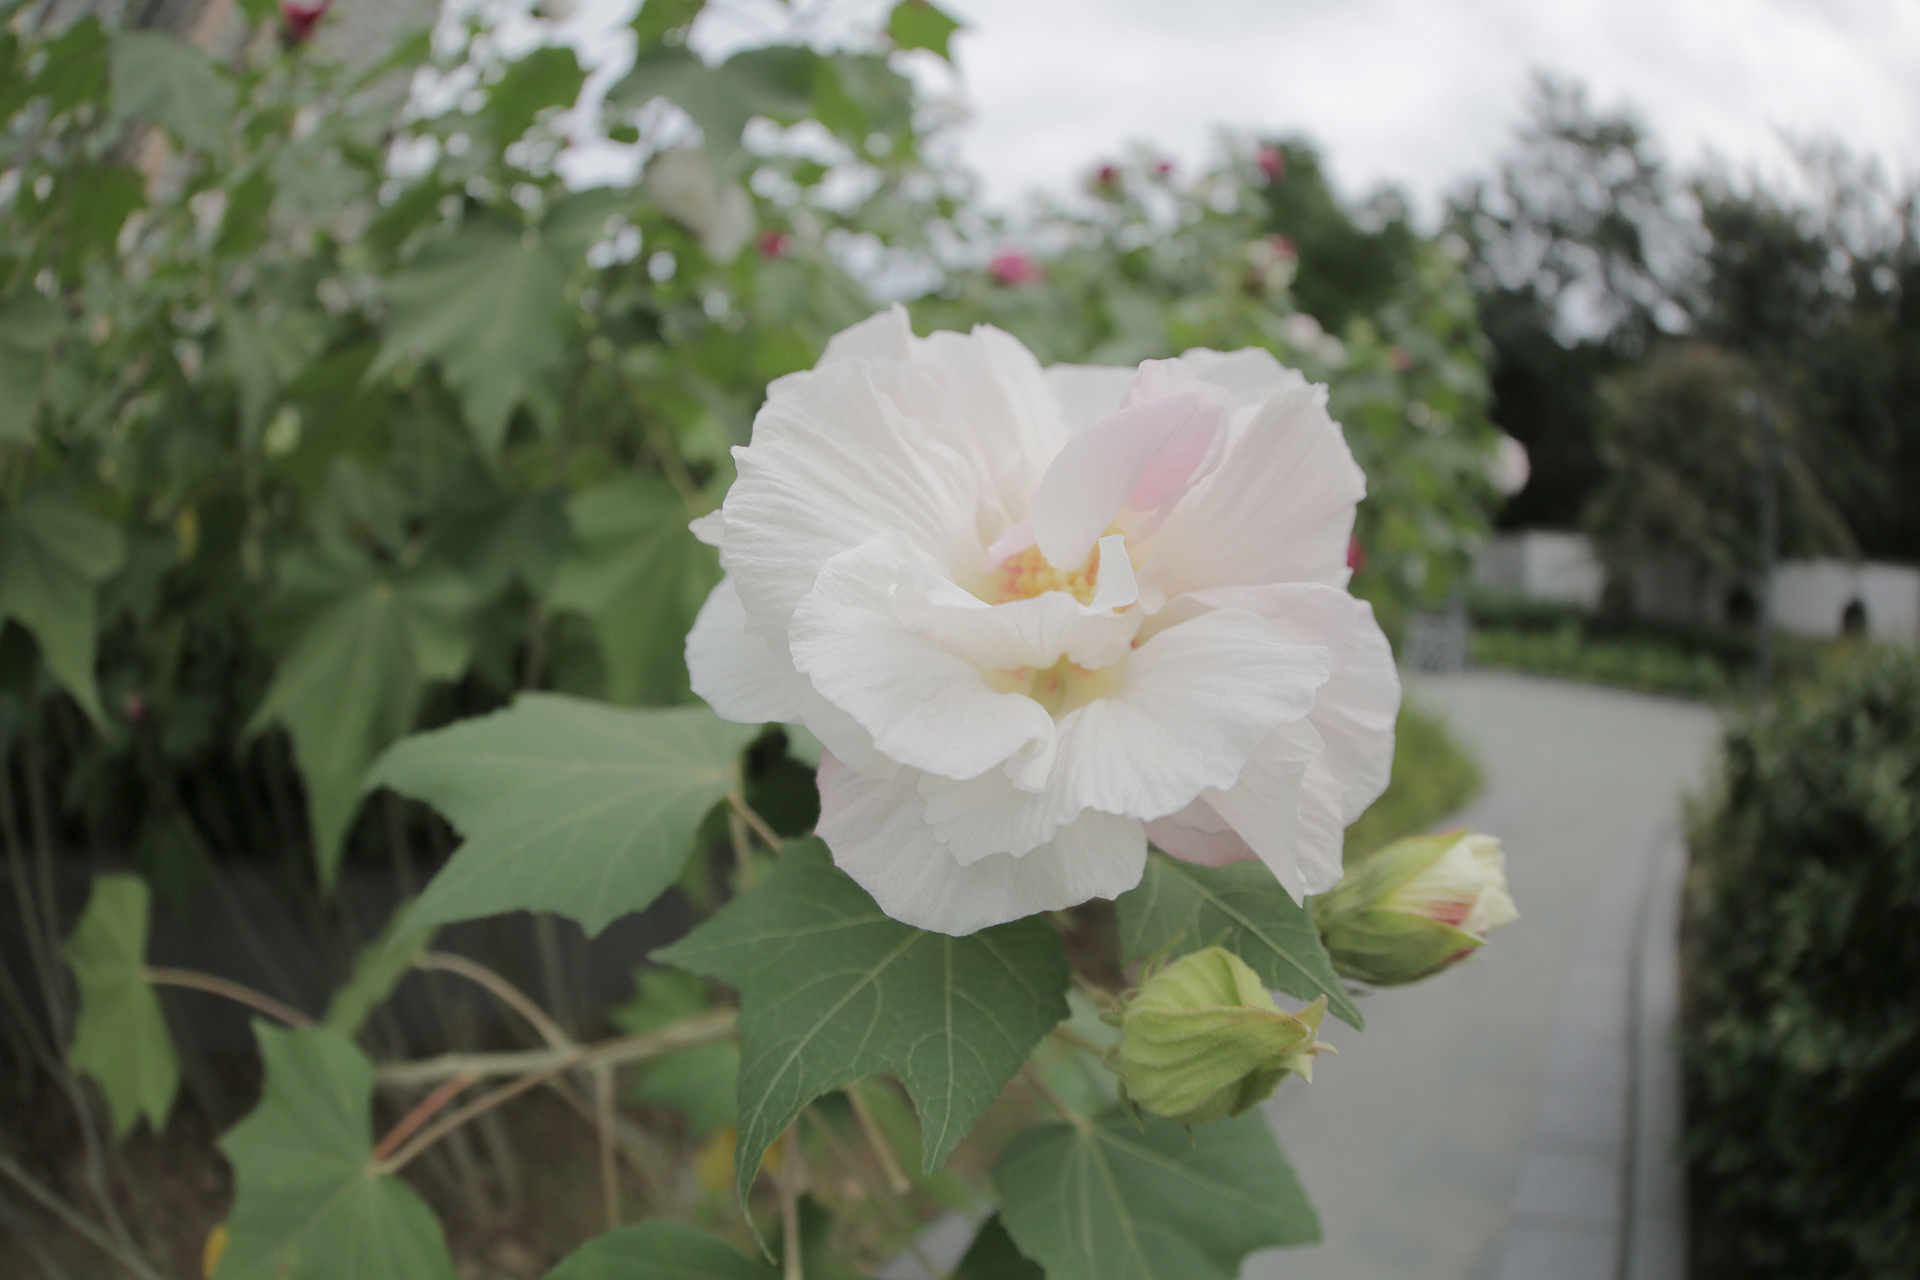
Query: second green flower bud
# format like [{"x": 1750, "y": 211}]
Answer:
[{"x": 1203, "y": 1039}]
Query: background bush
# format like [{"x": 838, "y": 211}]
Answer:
[{"x": 1803, "y": 1022}]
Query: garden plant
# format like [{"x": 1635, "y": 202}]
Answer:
[{"x": 368, "y": 491}]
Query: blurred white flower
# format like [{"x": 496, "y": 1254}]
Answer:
[
  {"x": 1039, "y": 616},
  {"x": 1509, "y": 468},
  {"x": 682, "y": 182}
]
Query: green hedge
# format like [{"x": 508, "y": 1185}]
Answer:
[{"x": 1803, "y": 1019}]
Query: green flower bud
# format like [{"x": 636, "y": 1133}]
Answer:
[
  {"x": 1414, "y": 907},
  {"x": 1203, "y": 1039}
]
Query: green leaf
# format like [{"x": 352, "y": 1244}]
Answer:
[
  {"x": 832, "y": 989},
  {"x": 351, "y": 682},
  {"x": 547, "y": 77},
  {"x": 170, "y": 83},
  {"x": 1115, "y": 1201},
  {"x": 490, "y": 305},
  {"x": 773, "y": 82},
  {"x": 659, "y": 1251},
  {"x": 76, "y": 66},
  {"x": 641, "y": 576},
  {"x": 377, "y": 970},
  {"x": 120, "y": 1037},
  {"x": 308, "y": 1204},
  {"x": 701, "y": 1084},
  {"x": 1179, "y": 907},
  {"x": 263, "y": 358},
  {"x": 916, "y": 24},
  {"x": 29, "y": 327},
  {"x": 53, "y": 556},
  {"x": 992, "y": 1256},
  {"x": 659, "y": 18},
  {"x": 565, "y": 805},
  {"x": 97, "y": 200}
]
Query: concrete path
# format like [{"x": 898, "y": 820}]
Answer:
[{"x": 1511, "y": 1119}]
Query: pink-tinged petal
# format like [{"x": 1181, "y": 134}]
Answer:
[
  {"x": 1264, "y": 804},
  {"x": 884, "y": 335},
  {"x": 999, "y": 391},
  {"x": 878, "y": 836},
  {"x": 1016, "y": 539},
  {"x": 925, "y": 706},
  {"x": 1198, "y": 834},
  {"x": 1181, "y": 713},
  {"x": 1024, "y": 634},
  {"x": 836, "y": 462},
  {"x": 1139, "y": 457},
  {"x": 1278, "y": 508},
  {"x": 1323, "y": 832}
]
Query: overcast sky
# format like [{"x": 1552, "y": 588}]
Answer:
[{"x": 1417, "y": 92}]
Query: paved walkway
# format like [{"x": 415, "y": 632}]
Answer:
[{"x": 1511, "y": 1119}]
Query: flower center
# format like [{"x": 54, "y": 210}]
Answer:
[
  {"x": 1059, "y": 688},
  {"x": 1028, "y": 574}
]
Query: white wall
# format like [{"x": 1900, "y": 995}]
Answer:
[
  {"x": 1809, "y": 597},
  {"x": 1544, "y": 565}
]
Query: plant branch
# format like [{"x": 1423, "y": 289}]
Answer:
[
  {"x": 75, "y": 1219},
  {"x": 891, "y": 1205},
  {"x": 768, "y": 836},
  {"x": 603, "y": 1126},
  {"x": 682, "y": 1035},
  {"x": 792, "y": 1174},
  {"x": 704, "y": 1028},
  {"x": 231, "y": 990},
  {"x": 421, "y": 1113},
  {"x": 508, "y": 994},
  {"x": 882, "y": 1149}
]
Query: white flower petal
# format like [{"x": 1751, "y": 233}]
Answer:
[
  {"x": 1181, "y": 713},
  {"x": 925, "y": 706},
  {"x": 747, "y": 680},
  {"x": 878, "y": 836},
  {"x": 1034, "y": 633},
  {"x": 884, "y": 335},
  {"x": 1279, "y": 508},
  {"x": 997, "y": 387},
  {"x": 1251, "y": 376},
  {"x": 834, "y": 462},
  {"x": 1086, "y": 393},
  {"x": 1264, "y": 806},
  {"x": 709, "y": 528},
  {"x": 738, "y": 674},
  {"x": 1198, "y": 834}
]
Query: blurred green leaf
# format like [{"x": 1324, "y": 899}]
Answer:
[
  {"x": 54, "y": 554},
  {"x": 641, "y": 577},
  {"x": 774, "y": 82},
  {"x": 120, "y": 1037},
  {"x": 1179, "y": 907},
  {"x": 659, "y": 1250},
  {"x": 308, "y": 1204},
  {"x": 76, "y": 66},
  {"x": 992, "y": 1256},
  {"x": 1118, "y": 1201},
  {"x": 96, "y": 199},
  {"x": 917, "y": 24},
  {"x": 658, "y": 18},
  {"x": 699, "y": 1083},
  {"x": 351, "y": 682},
  {"x": 170, "y": 83},
  {"x": 263, "y": 357},
  {"x": 489, "y": 303},
  {"x": 547, "y": 77},
  {"x": 565, "y": 805},
  {"x": 832, "y": 989},
  {"x": 377, "y": 970},
  {"x": 29, "y": 327}
]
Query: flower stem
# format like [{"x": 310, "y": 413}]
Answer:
[{"x": 231, "y": 990}]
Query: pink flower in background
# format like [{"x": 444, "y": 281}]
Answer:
[
  {"x": 1271, "y": 161},
  {"x": 1400, "y": 358},
  {"x": 1356, "y": 555},
  {"x": 298, "y": 18},
  {"x": 774, "y": 243},
  {"x": 1038, "y": 617},
  {"x": 1011, "y": 266}
]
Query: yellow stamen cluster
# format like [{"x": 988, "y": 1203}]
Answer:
[{"x": 1028, "y": 574}]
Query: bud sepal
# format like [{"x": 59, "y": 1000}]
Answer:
[{"x": 1414, "y": 907}]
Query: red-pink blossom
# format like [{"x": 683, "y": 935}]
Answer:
[
  {"x": 1273, "y": 164},
  {"x": 1012, "y": 266},
  {"x": 774, "y": 243},
  {"x": 298, "y": 18}
]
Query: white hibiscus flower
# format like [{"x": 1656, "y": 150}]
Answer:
[{"x": 1041, "y": 617}]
